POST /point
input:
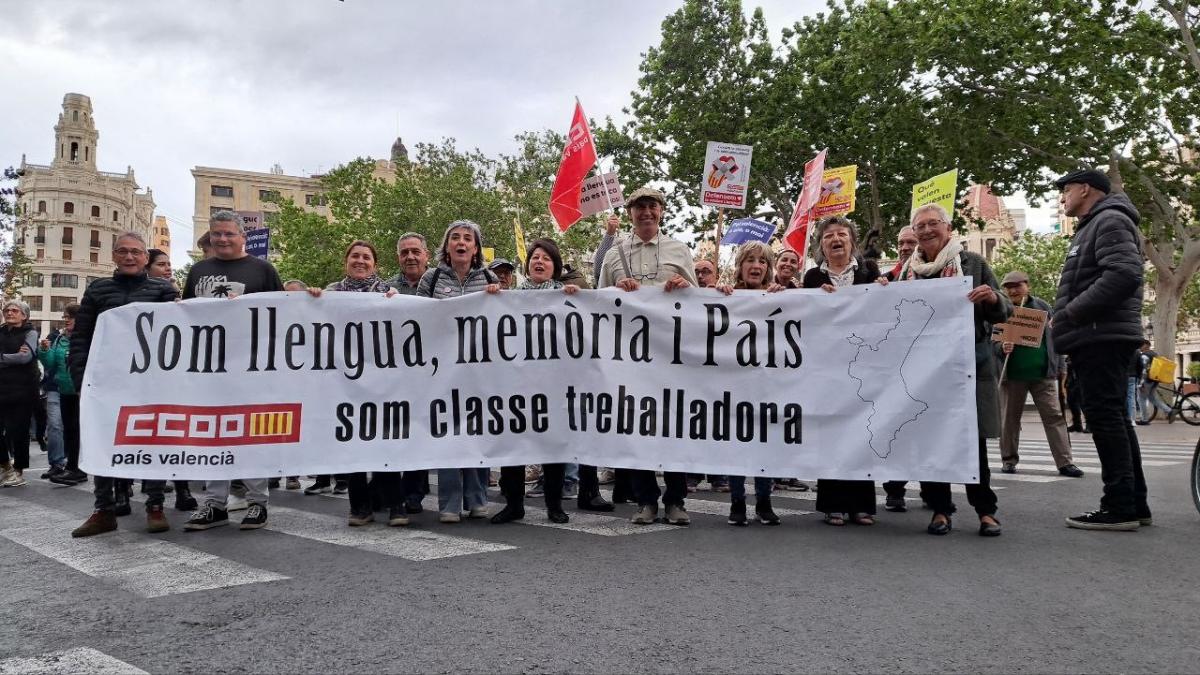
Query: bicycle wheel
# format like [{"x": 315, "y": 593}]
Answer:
[
  {"x": 1189, "y": 409},
  {"x": 1196, "y": 477}
]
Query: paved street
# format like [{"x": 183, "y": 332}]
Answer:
[{"x": 310, "y": 594}]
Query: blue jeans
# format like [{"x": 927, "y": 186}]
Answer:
[
  {"x": 571, "y": 474},
  {"x": 460, "y": 489},
  {"x": 1149, "y": 399},
  {"x": 1131, "y": 398},
  {"x": 762, "y": 487},
  {"x": 55, "y": 449}
]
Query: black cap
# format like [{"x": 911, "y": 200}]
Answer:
[{"x": 1091, "y": 177}]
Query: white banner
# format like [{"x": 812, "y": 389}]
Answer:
[
  {"x": 869, "y": 382},
  {"x": 726, "y": 175},
  {"x": 592, "y": 199}
]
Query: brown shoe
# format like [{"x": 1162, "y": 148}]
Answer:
[
  {"x": 155, "y": 520},
  {"x": 97, "y": 523}
]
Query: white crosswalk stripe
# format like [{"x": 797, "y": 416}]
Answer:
[
  {"x": 401, "y": 542},
  {"x": 150, "y": 568},
  {"x": 67, "y": 662}
]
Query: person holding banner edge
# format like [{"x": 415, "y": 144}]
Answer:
[
  {"x": 754, "y": 265},
  {"x": 128, "y": 284},
  {"x": 939, "y": 255},
  {"x": 651, "y": 259},
  {"x": 460, "y": 271},
  {"x": 906, "y": 243},
  {"x": 840, "y": 263},
  {"x": 229, "y": 273}
]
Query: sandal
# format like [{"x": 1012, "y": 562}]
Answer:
[
  {"x": 864, "y": 519},
  {"x": 835, "y": 519}
]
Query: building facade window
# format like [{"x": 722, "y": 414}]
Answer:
[
  {"x": 315, "y": 200},
  {"x": 41, "y": 255},
  {"x": 116, "y": 216},
  {"x": 35, "y": 280},
  {"x": 66, "y": 254},
  {"x": 69, "y": 208},
  {"x": 35, "y": 302},
  {"x": 40, "y": 237},
  {"x": 59, "y": 302},
  {"x": 95, "y": 211},
  {"x": 74, "y": 151},
  {"x": 41, "y": 206},
  {"x": 60, "y": 280},
  {"x": 268, "y": 195},
  {"x": 68, "y": 236},
  {"x": 222, "y": 191},
  {"x": 94, "y": 256},
  {"x": 95, "y": 242}
]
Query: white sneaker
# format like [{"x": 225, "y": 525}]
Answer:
[
  {"x": 13, "y": 479},
  {"x": 233, "y": 503},
  {"x": 450, "y": 518},
  {"x": 479, "y": 512}
]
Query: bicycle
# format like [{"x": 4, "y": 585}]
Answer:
[
  {"x": 1184, "y": 406},
  {"x": 1196, "y": 477}
]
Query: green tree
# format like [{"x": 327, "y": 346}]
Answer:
[
  {"x": 442, "y": 184},
  {"x": 15, "y": 265},
  {"x": 1019, "y": 104},
  {"x": 1038, "y": 255}
]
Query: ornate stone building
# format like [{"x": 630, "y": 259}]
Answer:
[
  {"x": 160, "y": 235},
  {"x": 71, "y": 214},
  {"x": 1000, "y": 224}
]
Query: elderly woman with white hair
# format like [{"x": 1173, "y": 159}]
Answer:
[
  {"x": 18, "y": 388},
  {"x": 840, "y": 263},
  {"x": 939, "y": 255},
  {"x": 460, "y": 271}
]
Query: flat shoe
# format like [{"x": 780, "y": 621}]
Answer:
[
  {"x": 834, "y": 519},
  {"x": 989, "y": 529},
  {"x": 939, "y": 528}
]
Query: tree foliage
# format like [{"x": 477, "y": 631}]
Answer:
[
  {"x": 1038, "y": 255},
  {"x": 441, "y": 185},
  {"x": 15, "y": 265}
]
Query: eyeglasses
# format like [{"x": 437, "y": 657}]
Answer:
[
  {"x": 223, "y": 235},
  {"x": 927, "y": 224},
  {"x": 129, "y": 251}
]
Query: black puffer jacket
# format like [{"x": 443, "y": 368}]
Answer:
[
  {"x": 19, "y": 381},
  {"x": 1100, "y": 291},
  {"x": 101, "y": 296}
]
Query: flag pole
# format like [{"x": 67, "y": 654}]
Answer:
[{"x": 599, "y": 162}]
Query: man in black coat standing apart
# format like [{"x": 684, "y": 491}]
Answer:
[{"x": 1098, "y": 321}]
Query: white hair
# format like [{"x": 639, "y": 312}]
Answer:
[{"x": 936, "y": 208}]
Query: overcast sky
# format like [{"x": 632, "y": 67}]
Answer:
[{"x": 313, "y": 83}]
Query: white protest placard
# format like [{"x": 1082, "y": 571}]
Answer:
[
  {"x": 872, "y": 382},
  {"x": 726, "y": 175},
  {"x": 591, "y": 197}
]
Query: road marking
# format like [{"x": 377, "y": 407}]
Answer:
[
  {"x": 78, "y": 660},
  {"x": 410, "y": 544},
  {"x": 150, "y": 568}
]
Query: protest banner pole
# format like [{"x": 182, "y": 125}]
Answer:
[{"x": 717, "y": 240}]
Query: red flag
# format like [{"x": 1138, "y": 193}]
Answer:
[
  {"x": 797, "y": 232},
  {"x": 578, "y": 158}
]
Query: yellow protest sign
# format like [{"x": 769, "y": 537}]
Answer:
[
  {"x": 489, "y": 254},
  {"x": 937, "y": 190},
  {"x": 837, "y": 191},
  {"x": 519, "y": 235}
]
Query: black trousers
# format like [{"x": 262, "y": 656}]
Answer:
[
  {"x": 414, "y": 485},
  {"x": 846, "y": 496},
  {"x": 1074, "y": 396},
  {"x": 16, "y": 416},
  {"x": 895, "y": 489},
  {"x": 589, "y": 481},
  {"x": 979, "y": 495},
  {"x": 646, "y": 490},
  {"x": 69, "y": 404},
  {"x": 385, "y": 483},
  {"x": 1102, "y": 370},
  {"x": 512, "y": 483}
]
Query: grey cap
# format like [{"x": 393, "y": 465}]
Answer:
[
  {"x": 1015, "y": 277},
  {"x": 646, "y": 192},
  {"x": 501, "y": 262}
]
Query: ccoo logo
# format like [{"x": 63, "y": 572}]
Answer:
[{"x": 251, "y": 424}]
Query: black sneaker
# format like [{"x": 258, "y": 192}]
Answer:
[
  {"x": 54, "y": 471},
  {"x": 1103, "y": 520},
  {"x": 413, "y": 507},
  {"x": 206, "y": 518},
  {"x": 273, "y": 483},
  {"x": 766, "y": 515},
  {"x": 1071, "y": 471},
  {"x": 737, "y": 513},
  {"x": 256, "y": 517},
  {"x": 1145, "y": 518},
  {"x": 68, "y": 477},
  {"x": 895, "y": 505},
  {"x": 122, "y": 508},
  {"x": 1009, "y": 467},
  {"x": 321, "y": 487},
  {"x": 341, "y": 487}
]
